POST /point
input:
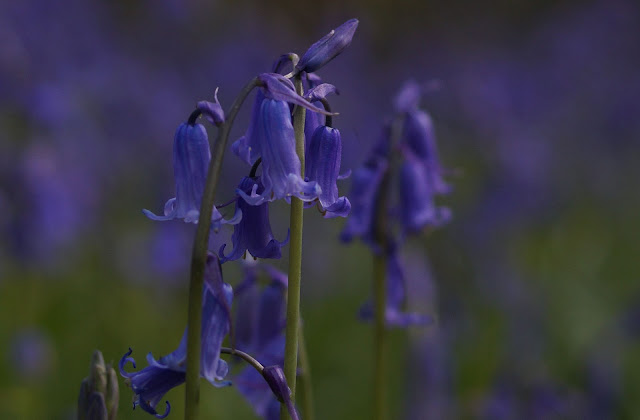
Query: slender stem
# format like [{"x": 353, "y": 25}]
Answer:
[
  {"x": 295, "y": 264},
  {"x": 380, "y": 345},
  {"x": 199, "y": 258},
  {"x": 305, "y": 379},
  {"x": 381, "y": 232},
  {"x": 244, "y": 356}
]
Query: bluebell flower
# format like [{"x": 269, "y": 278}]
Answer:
[
  {"x": 191, "y": 157},
  {"x": 395, "y": 316},
  {"x": 364, "y": 192},
  {"x": 151, "y": 383},
  {"x": 417, "y": 207},
  {"x": 259, "y": 328},
  {"x": 323, "y": 167},
  {"x": 418, "y": 135},
  {"x": 328, "y": 47},
  {"x": 270, "y": 136},
  {"x": 253, "y": 233}
]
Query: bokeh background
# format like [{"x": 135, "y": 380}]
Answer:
[{"x": 534, "y": 283}]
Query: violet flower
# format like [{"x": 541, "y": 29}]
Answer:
[
  {"x": 328, "y": 47},
  {"x": 151, "y": 383},
  {"x": 364, "y": 192},
  {"x": 418, "y": 135},
  {"x": 191, "y": 157},
  {"x": 259, "y": 329},
  {"x": 270, "y": 136},
  {"x": 417, "y": 206},
  {"x": 323, "y": 167},
  {"x": 253, "y": 233}
]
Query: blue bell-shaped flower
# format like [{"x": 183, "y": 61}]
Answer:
[{"x": 191, "y": 157}]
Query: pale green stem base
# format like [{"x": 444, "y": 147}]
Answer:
[
  {"x": 305, "y": 388},
  {"x": 380, "y": 344}
]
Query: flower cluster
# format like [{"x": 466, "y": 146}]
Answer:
[
  {"x": 406, "y": 152},
  {"x": 269, "y": 145}
]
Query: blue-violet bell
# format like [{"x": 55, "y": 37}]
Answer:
[
  {"x": 328, "y": 47},
  {"x": 151, "y": 383},
  {"x": 271, "y": 136},
  {"x": 191, "y": 157},
  {"x": 419, "y": 136},
  {"x": 323, "y": 167},
  {"x": 253, "y": 233},
  {"x": 259, "y": 328},
  {"x": 417, "y": 207}
]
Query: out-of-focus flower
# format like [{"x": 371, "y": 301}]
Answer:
[
  {"x": 364, "y": 192},
  {"x": 31, "y": 354},
  {"x": 395, "y": 315},
  {"x": 151, "y": 383},
  {"x": 417, "y": 207},
  {"x": 191, "y": 157},
  {"x": 323, "y": 167},
  {"x": 259, "y": 330},
  {"x": 419, "y": 137},
  {"x": 253, "y": 233},
  {"x": 328, "y": 47}
]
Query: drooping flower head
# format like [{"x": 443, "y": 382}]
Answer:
[
  {"x": 365, "y": 186},
  {"x": 151, "y": 383},
  {"x": 328, "y": 47},
  {"x": 419, "y": 137},
  {"x": 191, "y": 157},
  {"x": 323, "y": 167},
  {"x": 417, "y": 207},
  {"x": 253, "y": 233},
  {"x": 270, "y": 136}
]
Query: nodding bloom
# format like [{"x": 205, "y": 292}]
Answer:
[
  {"x": 253, "y": 233},
  {"x": 270, "y": 136},
  {"x": 365, "y": 185},
  {"x": 396, "y": 297},
  {"x": 418, "y": 135},
  {"x": 328, "y": 47},
  {"x": 323, "y": 167},
  {"x": 417, "y": 207},
  {"x": 151, "y": 383},
  {"x": 259, "y": 329},
  {"x": 191, "y": 157}
]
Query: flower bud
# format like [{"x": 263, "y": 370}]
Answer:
[
  {"x": 99, "y": 394},
  {"x": 327, "y": 47}
]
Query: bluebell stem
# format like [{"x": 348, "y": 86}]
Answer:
[
  {"x": 417, "y": 206},
  {"x": 191, "y": 157},
  {"x": 253, "y": 233},
  {"x": 396, "y": 296},
  {"x": 328, "y": 47},
  {"x": 151, "y": 383}
]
